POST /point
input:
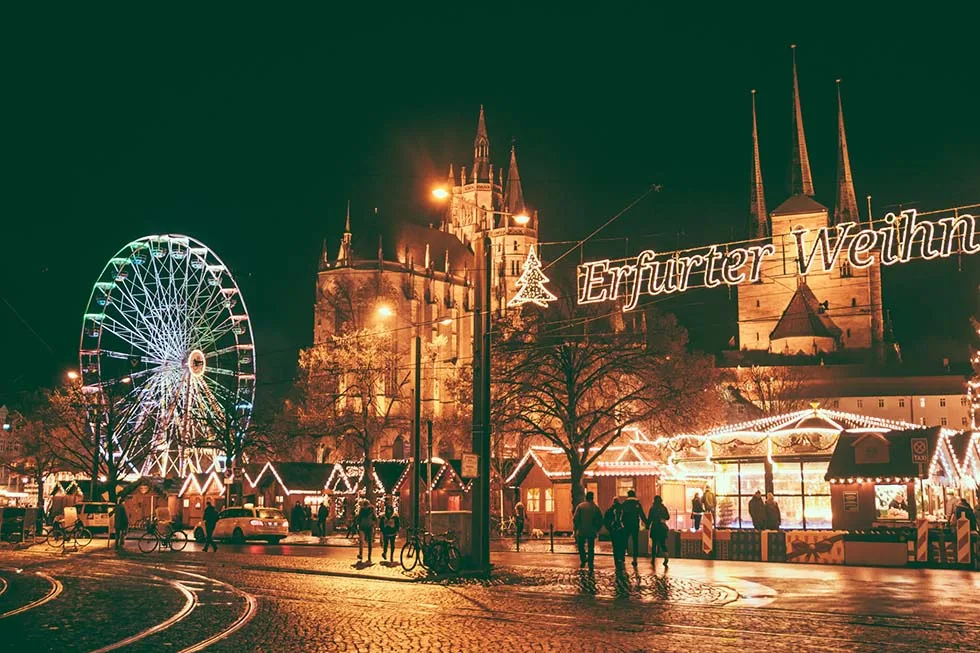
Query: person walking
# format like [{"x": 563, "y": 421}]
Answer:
[
  {"x": 120, "y": 523},
  {"x": 321, "y": 519},
  {"x": 633, "y": 515},
  {"x": 365, "y": 529},
  {"x": 520, "y": 515},
  {"x": 757, "y": 511},
  {"x": 613, "y": 520},
  {"x": 708, "y": 501},
  {"x": 773, "y": 518},
  {"x": 697, "y": 510},
  {"x": 390, "y": 525},
  {"x": 210, "y": 520},
  {"x": 587, "y": 521},
  {"x": 296, "y": 518},
  {"x": 658, "y": 525}
]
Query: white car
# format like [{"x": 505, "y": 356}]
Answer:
[
  {"x": 95, "y": 515},
  {"x": 238, "y": 524}
]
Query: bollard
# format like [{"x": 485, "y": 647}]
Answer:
[
  {"x": 517, "y": 536},
  {"x": 551, "y": 534},
  {"x": 922, "y": 541},
  {"x": 963, "y": 541},
  {"x": 707, "y": 533}
]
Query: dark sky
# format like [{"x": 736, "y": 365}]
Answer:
[{"x": 249, "y": 131}]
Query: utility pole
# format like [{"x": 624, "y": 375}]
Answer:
[
  {"x": 481, "y": 408},
  {"x": 417, "y": 430}
]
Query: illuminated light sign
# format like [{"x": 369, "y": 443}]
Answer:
[{"x": 900, "y": 239}]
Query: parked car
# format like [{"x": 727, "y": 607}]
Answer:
[
  {"x": 95, "y": 515},
  {"x": 238, "y": 524}
]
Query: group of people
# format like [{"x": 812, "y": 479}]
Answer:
[
  {"x": 622, "y": 521},
  {"x": 764, "y": 513},
  {"x": 365, "y": 521}
]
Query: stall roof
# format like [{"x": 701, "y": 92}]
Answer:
[
  {"x": 941, "y": 467},
  {"x": 297, "y": 477}
]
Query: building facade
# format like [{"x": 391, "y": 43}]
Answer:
[{"x": 821, "y": 312}]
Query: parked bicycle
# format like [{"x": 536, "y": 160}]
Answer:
[
  {"x": 437, "y": 553},
  {"x": 167, "y": 537},
  {"x": 507, "y": 527},
  {"x": 59, "y": 536}
]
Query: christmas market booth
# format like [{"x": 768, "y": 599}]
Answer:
[
  {"x": 195, "y": 492},
  {"x": 346, "y": 485},
  {"x": 281, "y": 484}
]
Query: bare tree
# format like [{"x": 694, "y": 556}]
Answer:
[
  {"x": 772, "y": 389},
  {"x": 34, "y": 454},
  {"x": 234, "y": 432},
  {"x": 350, "y": 388},
  {"x": 577, "y": 379}
]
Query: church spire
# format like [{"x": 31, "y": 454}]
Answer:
[
  {"x": 481, "y": 150},
  {"x": 514, "y": 194},
  {"x": 344, "y": 255},
  {"x": 846, "y": 208},
  {"x": 801, "y": 183},
  {"x": 759, "y": 227}
]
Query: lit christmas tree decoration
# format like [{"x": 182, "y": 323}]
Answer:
[{"x": 531, "y": 284}]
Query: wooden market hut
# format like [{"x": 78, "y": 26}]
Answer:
[
  {"x": 893, "y": 478},
  {"x": 195, "y": 492},
  {"x": 281, "y": 484}
]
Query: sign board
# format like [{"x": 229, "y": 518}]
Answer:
[
  {"x": 850, "y": 502},
  {"x": 470, "y": 466},
  {"x": 920, "y": 450},
  {"x": 900, "y": 239}
]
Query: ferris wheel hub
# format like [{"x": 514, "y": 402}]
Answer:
[{"x": 196, "y": 362}]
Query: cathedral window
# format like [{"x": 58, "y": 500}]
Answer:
[
  {"x": 515, "y": 246},
  {"x": 881, "y": 403},
  {"x": 901, "y": 402},
  {"x": 942, "y": 402},
  {"x": 845, "y": 269},
  {"x": 513, "y": 268},
  {"x": 757, "y": 303},
  {"x": 860, "y": 403},
  {"x": 854, "y": 302}
]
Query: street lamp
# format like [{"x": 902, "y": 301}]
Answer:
[{"x": 521, "y": 219}]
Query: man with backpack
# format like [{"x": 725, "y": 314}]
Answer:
[{"x": 613, "y": 520}]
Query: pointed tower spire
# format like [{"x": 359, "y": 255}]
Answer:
[
  {"x": 481, "y": 150},
  {"x": 759, "y": 227},
  {"x": 514, "y": 194},
  {"x": 846, "y": 208},
  {"x": 801, "y": 183},
  {"x": 452, "y": 178},
  {"x": 344, "y": 255}
]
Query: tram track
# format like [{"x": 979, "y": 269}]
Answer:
[{"x": 56, "y": 590}]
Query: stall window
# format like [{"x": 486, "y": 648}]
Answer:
[
  {"x": 891, "y": 502},
  {"x": 187, "y": 502},
  {"x": 454, "y": 502},
  {"x": 624, "y": 485},
  {"x": 533, "y": 500},
  {"x": 549, "y": 500},
  {"x": 816, "y": 496}
]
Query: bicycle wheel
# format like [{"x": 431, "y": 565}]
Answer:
[
  {"x": 178, "y": 541},
  {"x": 56, "y": 537},
  {"x": 149, "y": 542},
  {"x": 83, "y": 537},
  {"x": 453, "y": 558},
  {"x": 410, "y": 555},
  {"x": 435, "y": 557}
]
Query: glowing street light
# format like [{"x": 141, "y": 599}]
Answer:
[
  {"x": 440, "y": 193},
  {"x": 384, "y": 311},
  {"x": 446, "y": 321},
  {"x": 522, "y": 219},
  {"x": 72, "y": 375}
]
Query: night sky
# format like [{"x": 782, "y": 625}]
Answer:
[{"x": 250, "y": 131}]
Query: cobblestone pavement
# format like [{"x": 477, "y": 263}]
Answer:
[{"x": 532, "y": 603}]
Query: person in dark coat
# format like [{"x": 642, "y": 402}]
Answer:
[
  {"x": 697, "y": 510},
  {"x": 657, "y": 523},
  {"x": 520, "y": 516},
  {"x": 365, "y": 528},
  {"x": 613, "y": 521},
  {"x": 390, "y": 525},
  {"x": 587, "y": 521},
  {"x": 321, "y": 519},
  {"x": 757, "y": 511},
  {"x": 773, "y": 518},
  {"x": 210, "y": 521},
  {"x": 307, "y": 518},
  {"x": 120, "y": 523},
  {"x": 633, "y": 515},
  {"x": 296, "y": 518}
]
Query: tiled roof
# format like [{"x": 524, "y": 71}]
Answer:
[
  {"x": 802, "y": 318},
  {"x": 798, "y": 205}
]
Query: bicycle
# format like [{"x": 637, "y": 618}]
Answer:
[
  {"x": 436, "y": 553},
  {"x": 169, "y": 538},
  {"x": 506, "y": 527},
  {"x": 59, "y": 536}
]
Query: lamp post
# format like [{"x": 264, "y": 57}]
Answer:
[{"x": 481, "y": 384}]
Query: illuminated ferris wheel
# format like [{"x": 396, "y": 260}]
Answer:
[{"x": 167, "y": 330}]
